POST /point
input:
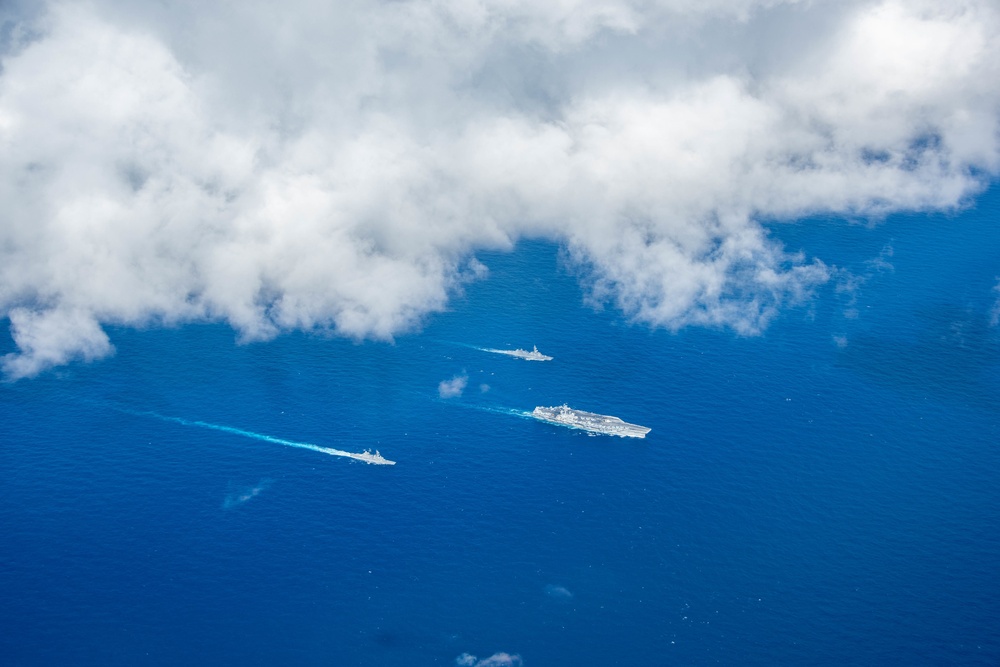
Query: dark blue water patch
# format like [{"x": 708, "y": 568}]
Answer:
[
  {"x": 906, "y": 260},
  {"x": 802, "y": 498}
]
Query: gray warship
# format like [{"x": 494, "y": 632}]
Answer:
[
  {"x": 533, "y": 355},
  {"x": 371, "y": 459},
  {"x": 589, "y": 421}
]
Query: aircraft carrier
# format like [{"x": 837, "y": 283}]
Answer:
[{"x": 589, "y": 421}]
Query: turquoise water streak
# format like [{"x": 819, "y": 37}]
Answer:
[{"x": 825, "y": 493}]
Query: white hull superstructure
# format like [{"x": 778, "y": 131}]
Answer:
[
  {"x": 589, "y": 421},
  {"x": 373, "y": 459},
  {"x": 533, "y": 355}
]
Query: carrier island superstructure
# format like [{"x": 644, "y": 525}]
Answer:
[{"x": 589, "y": 421}]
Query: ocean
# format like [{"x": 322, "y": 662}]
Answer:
[{"x": 825, "y": 493}]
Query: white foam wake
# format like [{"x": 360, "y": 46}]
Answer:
[
  {"x": 527, "y": 355},
  {"x": 524, "y": 414},
  {"x": 366, "y": 456}
]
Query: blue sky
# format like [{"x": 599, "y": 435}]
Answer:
[{"x": 336, "y": 166}]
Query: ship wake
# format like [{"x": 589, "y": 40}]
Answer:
[
  {"x": 527, "y": 355},
  {"x": 366, "y": 456},
  {"x": 497, "y": 410}
]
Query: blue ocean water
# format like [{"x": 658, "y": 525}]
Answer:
[{"x": 825, "y": 493}]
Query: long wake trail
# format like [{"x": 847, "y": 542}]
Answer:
[
  {"x": 365, "y": 456},
  {"x": 469, "y": 346},
  {"x": 497, "y": 410}
]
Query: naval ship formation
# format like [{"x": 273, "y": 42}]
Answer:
[
  {"x": 562, "y": 415},
  {"x": 589, "y": 421}
]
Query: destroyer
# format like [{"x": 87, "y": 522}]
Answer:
[
  {"x": 589, "y": 421},
  {"x": 373, "y": 459},
  {"x": 534, "y": 355}
]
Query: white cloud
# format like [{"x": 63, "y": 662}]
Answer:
[
  {"x": 495, "y": 660},
  {"x": 239, "y": 496},
  {"x": 453, "y": 387},
  {"x": 326, "y": 167},
  {"x": 51, "y": 338},
  {"x": 558, "y": 592}
]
